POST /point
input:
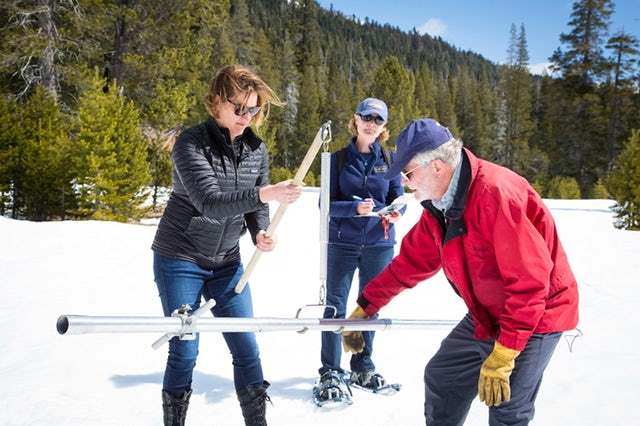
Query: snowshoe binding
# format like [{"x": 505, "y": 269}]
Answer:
[
  {"x": 371, "y": 381},
  {"x": 332, "y": 390}
]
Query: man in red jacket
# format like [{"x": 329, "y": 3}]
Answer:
[{"x": 497, "y": 244}]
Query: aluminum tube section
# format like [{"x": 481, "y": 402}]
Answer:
[
  {"x": 82, "y": 324},
  {"x": 325, "y": 189},
  {"x": 78, "y": 324}
]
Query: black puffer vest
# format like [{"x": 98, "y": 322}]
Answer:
[{"x": 215, "y": 196}]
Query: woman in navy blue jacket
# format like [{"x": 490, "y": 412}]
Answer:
[{"x": 357, "y": 241}]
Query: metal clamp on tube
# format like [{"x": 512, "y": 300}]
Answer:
[
  {"x": 187, "y": 332},
  {"x": 188, "y": 327}
]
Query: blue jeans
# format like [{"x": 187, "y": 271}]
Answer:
[
  {"x": 342, "y": 261},
  {"x": 183, "y": 282},
  {"x": 451, "y": 378}
]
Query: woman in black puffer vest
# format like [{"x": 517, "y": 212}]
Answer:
[{"x": 220, "y": 190}]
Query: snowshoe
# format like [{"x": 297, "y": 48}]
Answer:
[
  {"x": 373, "y": 382},
  {"x": 332, "y": 390}
]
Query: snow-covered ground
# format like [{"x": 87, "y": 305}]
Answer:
[{"x": 102, "y": 268}]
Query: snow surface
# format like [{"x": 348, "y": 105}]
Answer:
[{"x": 103, "y": 268}]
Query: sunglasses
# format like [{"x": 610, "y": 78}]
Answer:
[
  {"x": 407, "y": 175},
  {"x": 370, "y": 117},
  {"x": 241, "y": 110}
]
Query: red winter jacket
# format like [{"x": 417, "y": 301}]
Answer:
[{"x": 500, "y": 250}]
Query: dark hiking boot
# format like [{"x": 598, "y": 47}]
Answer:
[
  {"x": 253, "y": 401},
  {"x": 175, "y": 408}
]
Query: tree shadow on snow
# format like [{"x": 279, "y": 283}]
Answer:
[
  {"x": 213, "y": 388},
  {"x": 217, "y": 388},
  {"x": 130, "y": 380}
]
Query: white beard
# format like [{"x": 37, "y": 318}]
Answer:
[
  {"x": 419, "y": 195},
  {"x": 423, "y": 194}
]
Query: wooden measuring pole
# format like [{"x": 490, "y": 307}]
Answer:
[{"x": 322, "y": 136}]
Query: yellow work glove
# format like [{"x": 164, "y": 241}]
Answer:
[
  {"x": 353, "y": 341},
  {"x": 493, "y": 385}
]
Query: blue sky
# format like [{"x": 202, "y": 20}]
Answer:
[{"x": 483, "y": 25}]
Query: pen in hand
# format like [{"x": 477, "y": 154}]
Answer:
[{"x": 365, "y": 206}]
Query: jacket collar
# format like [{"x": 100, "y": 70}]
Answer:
[
  {"x": 220, "y": 136},
  {"x": 468, "y": 172},
  {"x": 375, "y": 148},
  {"x": 447, "y": 199}
]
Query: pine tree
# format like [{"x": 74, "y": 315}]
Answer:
[
  {"x": 512, "y": 50},
  {"x": 35, "y": 44},
  {"x": 544, "y": 116},
  {"x": 463, "y": 106},
  {"x": 265, "y": 62},
  {"x": 563, "y": 188},
  {"x": 477, "y": 128},
  {"x": 599, "y": 191},
  {"x": 44, "y": 184},
  {"x": 484, "y": 108},
  {"x": 35, "y": 181},
  {"x": 111, "y": 156},
  {"x": 225, "y": 51},
  {"x": 424, "y": 95},
  {"x": 395, "y": 85},
  {"x": 110, "y": 31},
  {"x": 308, "y": 33},
  {"x": 167, "y": 110},
  {"x": 551, "y": 111},
  {"x": 624, "y": 184},
  {"x": 243, "y": 35},
  {"x": 140, "y": 43},
  {"x": 308, "y": 51},
  {"x": 339, "y": 106},
  {"x": 290, "y": 89},
  {"x": 583, "y": 138},
  {"x": 308, "y": 117},
  {"x": 444, "y": 106},
  {"x": 514, "y": 111},
  {"x": 266, "y": 67},
  {"x": 523, "y": 50},
  {"x": 624, "y": 49},
  {"x": 583, "y": 60}
]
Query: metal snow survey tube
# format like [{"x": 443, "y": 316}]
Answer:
[{"x": 82, "y": 324}]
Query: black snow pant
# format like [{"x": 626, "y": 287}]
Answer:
[{"x": 451, "y": 378}]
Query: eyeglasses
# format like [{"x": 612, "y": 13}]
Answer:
[
  {"x": 370, "y": 117},
  {"x": 407, "y": 175},
  {"x": 241, "y": 110}
]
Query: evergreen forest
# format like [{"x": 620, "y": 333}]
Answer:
[{"x": 94, "y": 92}]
